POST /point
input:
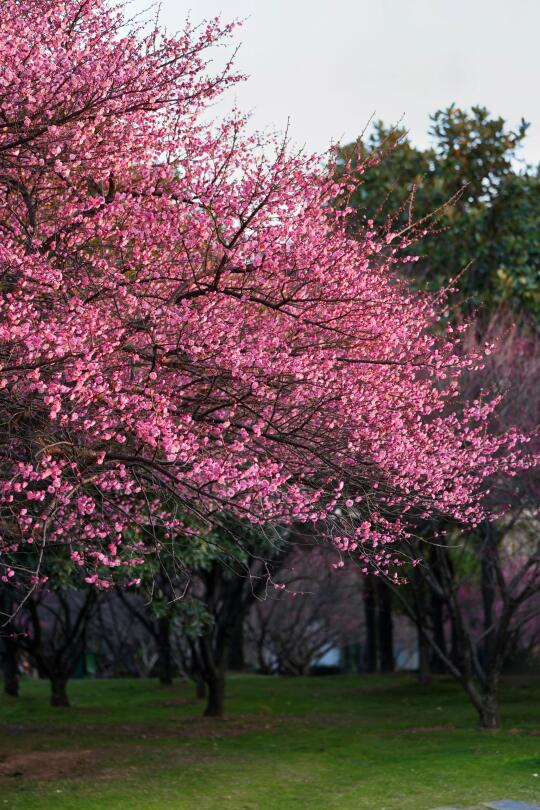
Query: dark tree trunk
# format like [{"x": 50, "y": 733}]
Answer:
[
  {"x": 485, "y": 703},
  {"x": 236, "y": 654},
  {"x": 489, "y": 712},
  {"x": 386, "y": 628},
  {"x": 437, "y": 618},
  {"x": 424, "y": 668},
  {"x": 195, "y": 670},
  {"x": 165, "y": 666},
  {"x": 227, "y": 600},
  {"x": 488, "y": 585},
  {"x": 59, "y": 695},
  {"x": 371, "y": 625},
  {"x": 9, "y": 666},
  {"x": 455, "y": 650},
  {"x": 215, "y": 706},
  {"x": 437, "y": 615},
  {"x": 8, "y": 646}
]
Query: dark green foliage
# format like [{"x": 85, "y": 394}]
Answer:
[{"x": 480, "y": 206}]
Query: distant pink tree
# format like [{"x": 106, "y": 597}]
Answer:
[
  {"x": 486, "y": 580},
  {"x": 185, "y": 318}
]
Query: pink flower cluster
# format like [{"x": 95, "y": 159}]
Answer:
[{"x": 185, "y": 317}]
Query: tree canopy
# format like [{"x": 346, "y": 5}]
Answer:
[{"x": 187, "y": 325}]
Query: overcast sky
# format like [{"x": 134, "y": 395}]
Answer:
[{"x": 328, "y": 65}]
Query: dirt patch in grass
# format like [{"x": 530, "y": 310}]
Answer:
[
  {"x": 38, "y": 766},
  {"x": 188, "y": 728},
  {"x": 201, "y": 728},
  {"x": 181, "y": 728},
  {"x": 111, "y": 762}
]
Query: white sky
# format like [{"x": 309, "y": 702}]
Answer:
[{"x": 328, "y": 65}]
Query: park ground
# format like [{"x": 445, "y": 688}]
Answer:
[{"x": 347, "y": 742}]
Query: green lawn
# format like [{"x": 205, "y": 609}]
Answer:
[{"x": 366, "y": 742}]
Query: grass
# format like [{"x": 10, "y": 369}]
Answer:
[{"x": 347, "y": 742}]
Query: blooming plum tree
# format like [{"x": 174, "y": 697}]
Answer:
[
  {"x": 185, "y": 316},
  {"x": 484, "y": 583}
]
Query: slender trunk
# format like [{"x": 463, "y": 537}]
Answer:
[
  {"x": 9, "y": 666},
  {"x": 215, "y": 706},
  {"x": 489, "y": 712},
  {"x": 437, "y": 618},
  {"x": 424, "y": 668},
  {"x": 214, "y": 653},
  {"x": 195, "y": 670},
  {"x": 8, "y": 646},
  {"x": 386, "y": 628},
  {"x": 436, "y": 611},
  {"x": 165, "y": 668},
  {"x": 371, "y": 624},
  {"x": 227, "y": 601},
  {"x": 236, "y": 654},
  {"x": 455, "y": 650},
  {"x": 488, "y": 584},
  {"x": 485, "y": 702},
  {"x": 59, "y": 695},
  {"x": 436, "y": 605}
]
